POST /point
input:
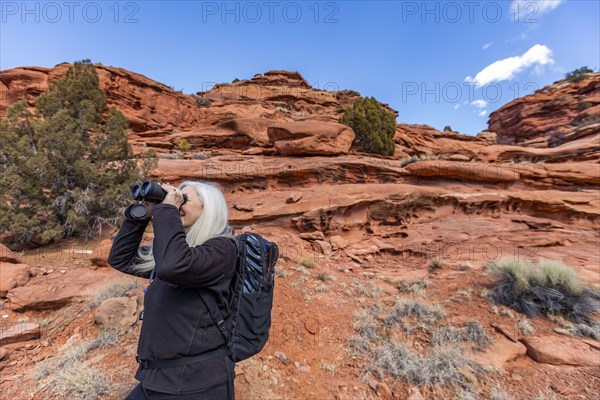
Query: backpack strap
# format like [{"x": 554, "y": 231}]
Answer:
[
  {"x": 211, "y": 304},
  {"x": 215, "y": 313}
]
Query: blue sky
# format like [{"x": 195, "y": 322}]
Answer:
[{"x": 436, "y": 62}]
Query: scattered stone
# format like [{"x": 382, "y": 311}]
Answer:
[
  {"x": 561, "y": 350},
  {"x": 62, "y": 271},
  {"x": 322, "y": 247},
  {"x": 242, "y": 207},
  {"x": 302, "y": 366},
  {"x": 51, "y": 270},
  {"x": 384, "y": 391},
  {"x": 20, "y": 332},
  {"x": 562, "y": 331},
  {"x": 311, "y": 326},
  {"x": 12, "y": 276},
  {"x": 282, "y": 357},
  {"x": 338, "y": 242},
  {"x": 294, "y": 198},
  {"x": 316, "y": 235},
  {"x": 415, "y": 394},
  {"x": 373, "y": 383}
]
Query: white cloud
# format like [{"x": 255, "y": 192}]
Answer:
[
  {"x": 533, "y": 7},
  {"x": 456, "y": 106},
  {"x": 480, "y": 103},
  {"x": 507, "y": 68},
  {"x": 483, "y": 113},
  {"x": 487, "y": 45}
]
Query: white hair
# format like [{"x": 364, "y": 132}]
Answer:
[{"x": 213, "y": 222}]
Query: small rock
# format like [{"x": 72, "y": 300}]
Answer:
[
  {"x": 311, "y": 326},
  {"x": 302, "y": 366},
  {"x": 322, "y": 246},
  {"x": 373, "y": 383},
  {"x": 282, "y": 357},
  {"x": 384, "y": 391},
  {"x": 562, "y": 331},
  {"x": 62, "y": 271},
  {"x": 415, "y": 394},
  {"x": 51, "y": 270},
  {"x": 316, "y": 235},
  {"x": 338, "y": 242},
  {"x": 243, "y": 207},
  {"x": 294, "y": 198}
]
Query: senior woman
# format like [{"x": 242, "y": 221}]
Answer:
[{"x": 193, "y": 249}]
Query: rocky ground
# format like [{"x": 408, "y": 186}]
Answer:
[{"x": 357, "y": 233}]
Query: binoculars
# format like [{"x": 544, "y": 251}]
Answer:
[{"x": 148, "y": 191}]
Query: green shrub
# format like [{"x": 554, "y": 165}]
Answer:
[
  {"x": 184, "y": 145},
  {"x": 373, "y": 125},
  {"x": 579, "y": 74},
  {"x": 551, "y": 288},
  {"x": 65, "y": 169}
]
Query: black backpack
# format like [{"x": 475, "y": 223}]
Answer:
[
  {"x": 252, "y": 297},
  {"x": 250, "y": 303}
]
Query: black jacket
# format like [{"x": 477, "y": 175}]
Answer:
[{"x": 176, "y": 322}]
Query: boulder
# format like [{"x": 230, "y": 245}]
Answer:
[
  {"x": 100, "y": 255},
  {"x": 117, "y": 313},
  {"x": 499, "y": 353},
  {"x": 58, "y": 290},
  {"x": 562, "y": 350},
  {"x": 6, "y": 255},
  {"x": 12, "y": 276},
  {"x": 20, "y": 332},
  {"x": 300, "y": 138}
]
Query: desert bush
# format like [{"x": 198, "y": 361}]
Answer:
[
  {"x": 440, "y": 365},
  {"x": 118, "y": 289},
  {"x": 551, "y": 288},
  {"x": 368, "y": 289},
  {"x": 435, "y": 263},
  {"x": 373, "y": 125},
  {"x": 472, "y": 333},
  {"x": 305, "y": 261},
  {"x": 422, "y": 311},
  {"x": 417, "y": 286},
  {"x": 526, "y": 328},
  {"x": 184, "y": 145},
  {"x": 66, "y": 168},
  {"x": 579, "y": 74}
]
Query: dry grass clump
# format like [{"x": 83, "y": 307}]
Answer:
[
  {"x": 440, "y": 365},
  {"x": 420, "y": 310},
  {"x": 416, "y": 286},
  {"x": 472, "y": 333},
  {"x": 549, "y": 289},
  {"x": 118, "y": 289}
]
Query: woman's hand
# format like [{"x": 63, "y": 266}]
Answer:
[{"x": 174, "y": 195}]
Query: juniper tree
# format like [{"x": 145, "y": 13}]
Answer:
[
  {"x": 66, "y": 166},
  {"x": 373, "y": 125}
]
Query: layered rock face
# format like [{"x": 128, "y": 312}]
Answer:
[
  {"x": 556, "y": 114},
  {"x": 527, "y": 188}
]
